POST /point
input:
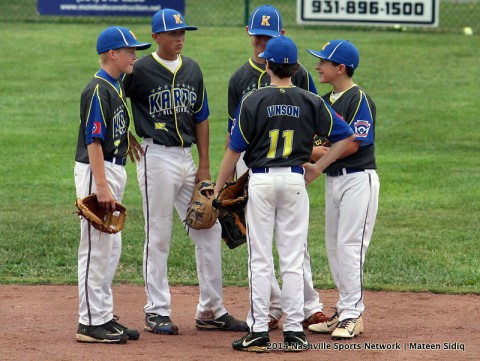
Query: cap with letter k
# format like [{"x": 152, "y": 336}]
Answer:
[
  {"x": 265, "y": 20},
  {"x": 169, "y": 20}
]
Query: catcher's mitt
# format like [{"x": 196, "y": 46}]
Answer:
[
  {"x": 234, "y": 231},
  {"x": 99, "y": 218},
  {"x": 233, "y": 196},
  {"x": 200, "y": 213},
  {"x": 231, "y": 202},
  {"x": 321, "y": 141}
]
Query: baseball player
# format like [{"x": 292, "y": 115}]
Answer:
[
  {"x": 266, "y": 22},
  {"x": 104, "y": 140},
  {"x": 351, "y": 188},
  {"x": 275, "y": 126},
  {"x": 170, "y": 108}
]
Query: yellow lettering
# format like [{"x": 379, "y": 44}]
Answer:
[
  {"x": 265, "y": 19},
  {"x": 178, "y": 18}
]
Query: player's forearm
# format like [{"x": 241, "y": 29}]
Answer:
[
  {"x": 335, "y": 151},
  {"x": 318, "y": 152},
  {"x": 227, "y": 167},
  {"x": 351, "y": 149},
  {"x": 95, "y": 156},
  {"x": 202, "y": 137}
]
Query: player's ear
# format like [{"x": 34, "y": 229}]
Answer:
[
  {"x": 246, "y": 30},
  {"x": 282, "y": 32}
]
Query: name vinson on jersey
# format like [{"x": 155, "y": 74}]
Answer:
[{"x": 283, "y": 109}]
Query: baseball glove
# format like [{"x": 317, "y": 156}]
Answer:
[
  {"x": 200, "y": 213},
  {"x": 321, "y": 141},
  {"x": 99, "y": 218},
  {"x": 231, "y": 202}
]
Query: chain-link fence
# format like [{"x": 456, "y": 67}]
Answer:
[{"x": 454, "y": 14}]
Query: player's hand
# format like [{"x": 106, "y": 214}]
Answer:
[
  {"x": 317, "y": 153},
  {"x": 311, "y": 172},
  {"x": 135, "y": 150},
  {"x": 106, "y": 198},
  {"x": 202, "y": 174}
]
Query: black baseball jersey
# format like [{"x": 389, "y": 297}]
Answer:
[
  {"x": 104, "y": 115},
  {"x": 359, "y": 111},
  {"x": 276, "y": 126},
  {"x": 251, "y": 76},
  {"x": 167, "y": 105}
]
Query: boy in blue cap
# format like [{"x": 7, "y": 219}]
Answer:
[
  {"x": 170, "y": 108},
  {"x": 104, "y": 140},
  {"x": 265, "y": 23},
  {"x": 275, "y": 126},
  {"x": 351, "y": 188}
]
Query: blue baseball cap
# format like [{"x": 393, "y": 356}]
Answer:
[
  {"x": 339, "y": 51},
  {"x": 169, "y": 20},
  {"x": 116, "y": 37},
  {"x": 280, "y": 50},
  {"x": 265, "y": 20}
]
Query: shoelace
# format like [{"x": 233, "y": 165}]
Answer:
[{"x": 345, "y": 323}]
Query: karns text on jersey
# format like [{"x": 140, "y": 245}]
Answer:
[
  {"x": 283, "y": 109},
  {"x": 165, "y": 100}
]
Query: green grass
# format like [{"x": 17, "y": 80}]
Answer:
[{"x": 425, "y": 87}]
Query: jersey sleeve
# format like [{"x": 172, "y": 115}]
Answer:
[
  {"x": 203, "y": 112},
  {"x": 233, "y": 101},
  {"x": 238, "y": 142},
  {"x": 362, "y": 122},
  {"x": 95, "y": 123}
]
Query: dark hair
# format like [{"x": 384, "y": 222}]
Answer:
[
  {"x": 350, "y": 71},
  {"x": 283, "y": 70}
]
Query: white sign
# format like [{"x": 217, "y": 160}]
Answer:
[{"x": 368, "y": 12}]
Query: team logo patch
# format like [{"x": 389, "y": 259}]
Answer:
[
  {"x": 361, "y": 128},
  {"x": 97, "y": 128}
]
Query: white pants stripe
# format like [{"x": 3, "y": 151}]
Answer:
[
  {"x": 166, "y": 176},
  {"x": 98, "y": 253},
  {"x": 351, "y": 204},
  {"x": 311, "y": 296},
  {"x": 277, "y": 201}
]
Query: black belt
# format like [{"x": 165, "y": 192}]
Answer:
[
  {"x": 185, "y": 145},
  {"x": 344, "y": 171},
  {"x": 295, "y": 169},
  {"x": 117, "y": 160}
]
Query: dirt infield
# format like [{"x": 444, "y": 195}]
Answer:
[{"x": 39, "y": 323}]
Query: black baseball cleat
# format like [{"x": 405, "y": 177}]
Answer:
[
  {"x": 100, "y": 334},
  {"x": 114, "y": 325},
  {"x": 225, "y": 322},
  {"x": 294, "y": 341},
  {"x": 253, "y": 342},
  {"x": 160, "y": 324}
]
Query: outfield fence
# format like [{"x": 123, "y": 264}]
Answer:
[{"x": 455, "y": 15}]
